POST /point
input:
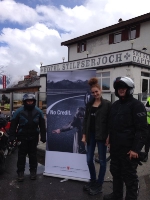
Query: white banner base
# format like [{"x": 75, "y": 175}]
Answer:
[
  {"x": 66, "y": 165},
  {"x": 65, "y": 177}
]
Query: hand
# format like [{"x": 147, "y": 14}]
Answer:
[
  {"x": 107, "y": 141},
  {"x": 84, "y": 139},
  {"x": 132, "y": 154},
  {"x": 56, "y": 131}
]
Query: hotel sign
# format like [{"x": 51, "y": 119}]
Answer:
[{"x": 100, "y": 61}]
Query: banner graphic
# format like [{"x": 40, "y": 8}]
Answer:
[{"x": 67, "y": 95}]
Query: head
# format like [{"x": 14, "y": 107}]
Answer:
[
  {"x": 29, "y": 101},
  {"x": 95, "y": 88},
  {"x": 80, "y": 112},
  {"x": 124, "y": 86}
]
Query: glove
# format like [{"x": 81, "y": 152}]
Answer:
[{"x": 43, "y": 140}]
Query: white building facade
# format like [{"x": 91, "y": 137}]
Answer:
[{"x": 122, "y": 49}]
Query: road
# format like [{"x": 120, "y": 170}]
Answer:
[{"x": 51, "y": 188}]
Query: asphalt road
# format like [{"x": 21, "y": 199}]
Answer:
[
  {"x": 45, "y": 187},
  {"x": 51, "y": 188}
]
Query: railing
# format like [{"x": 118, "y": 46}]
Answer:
[{"x": 15, "y": 100}]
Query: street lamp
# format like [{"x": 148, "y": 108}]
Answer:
[
  {"x": 63, "y": 58},
  {"x": 87, "y": 53},
  {"x": 144, "y": 49},
  {"x": 132, "y": 41}
]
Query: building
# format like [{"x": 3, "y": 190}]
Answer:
[
  {"x": 122, "y": 49},
  {"x": 31, "y": 83}
]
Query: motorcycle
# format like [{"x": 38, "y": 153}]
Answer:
[{"x": 4, "y": 147}]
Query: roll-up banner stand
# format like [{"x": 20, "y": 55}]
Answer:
[{"x": 67, "y": 95}]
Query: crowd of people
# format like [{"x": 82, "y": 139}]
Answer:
[{"x": 123, "y": 126}]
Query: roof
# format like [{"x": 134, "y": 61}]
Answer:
[
  {"x": 13, "y": 89},
  {"x": 24, "y": 85},
  {"x": 109, "y": 29}
]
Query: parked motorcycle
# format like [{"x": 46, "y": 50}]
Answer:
[{"x": 4, "y": 148}]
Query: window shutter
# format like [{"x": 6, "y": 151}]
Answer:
[
  {"x": 138, "y": 31},
  {"x": 78, "y": 48},
  {"x": 111, "y": 38},
  {"x": 125, "y": 35},
  {"x": 85, "y": 46}
]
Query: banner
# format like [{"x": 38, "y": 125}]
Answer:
[
  {"x": 4, "y": 81},
  {"x": 67, "y": 95}
]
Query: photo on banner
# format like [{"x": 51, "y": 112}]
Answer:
[{"x": 67, "y": 95}]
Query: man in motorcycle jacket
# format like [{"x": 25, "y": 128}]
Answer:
[
  {"x": 26, "y": 125},
  {"x": 127, "y": 135}
]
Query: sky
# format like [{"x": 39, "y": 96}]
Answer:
[{"x": 31, "y": 31}]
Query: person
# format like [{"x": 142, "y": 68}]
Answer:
[
  {"x": 95, "y": 132},
  {"x": 29, "y": 121},
  {"x": 4, "y": 99},
  {"x": 77, "y": 122},
  {"x": 147, "y": 143},
  {"x": 127, "y": 135}
]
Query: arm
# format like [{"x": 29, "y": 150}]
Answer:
[
  {"x": 141, "y": 127},
  {"x": 42, "y": 128},
  {"x": 85, "y": 125},
  {"x": 13, "y": 126},
  {"x": 65, "y": 128},
  {"x": 108, "y": 124}
]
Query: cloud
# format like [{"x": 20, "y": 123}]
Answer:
[
  {"x": 27, "y": 48},
  {"x": 17, "y": 12},
  {"x": 46, "y": 26}
]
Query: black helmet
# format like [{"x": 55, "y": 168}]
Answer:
[
  {"x": 29, "y": 97},
  {"x": 124, "y": 82},
  {"x": 80, "y": 112}
]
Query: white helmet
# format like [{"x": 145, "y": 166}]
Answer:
[{"x": 124, "y": 82}]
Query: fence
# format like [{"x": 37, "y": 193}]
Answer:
[{"x": 15, "y": 100}]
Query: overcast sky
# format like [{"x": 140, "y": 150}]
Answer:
[{"x": 31, "y": 31}]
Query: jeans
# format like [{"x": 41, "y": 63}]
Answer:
[{"x": 102, "y": 158}]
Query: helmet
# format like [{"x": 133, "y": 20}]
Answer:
[
  {"x": 88, "y": 97},
  {"x": 124, "y": 82},
  {"x": 29, "y": 96},
  {"x": 80, "y": 112}
]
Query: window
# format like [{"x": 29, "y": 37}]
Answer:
[
  {"x": 125, "y": 34},
  {"x": 81, "y": 47},
  {"x": 145, "y": 74},
  {"x": 132, "y": 33},
  {"x": 117, "y": 37},
  {"x": 104, "y": 80}
]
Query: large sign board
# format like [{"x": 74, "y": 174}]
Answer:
[{"x": 100, "y": 61}]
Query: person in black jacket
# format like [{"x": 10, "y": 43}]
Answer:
[
  {"x": 127, "y": 135},
  {"x": 95, "y": 131},
  {"x": 29, "y": 121}
]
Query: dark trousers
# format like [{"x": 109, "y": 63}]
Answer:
[
  {"x": 147, "y": 144},
  {"x": 123, "y": 171},
  {"x": 27, "y": 147}
]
